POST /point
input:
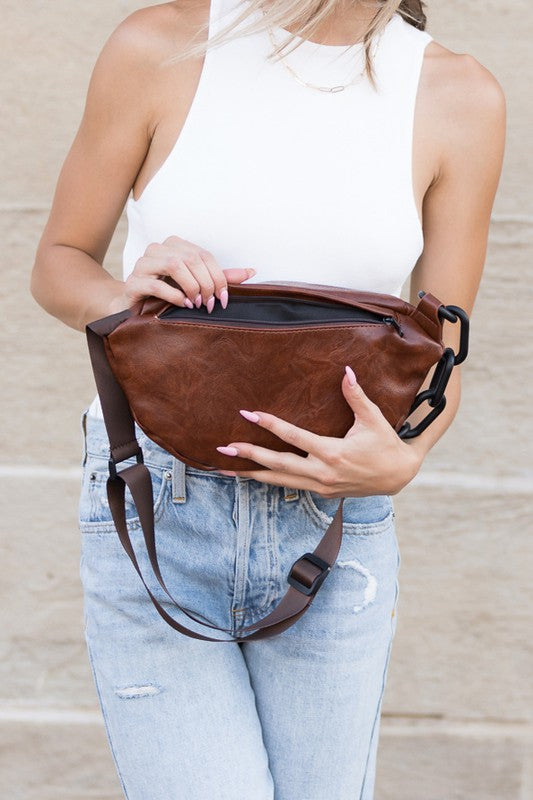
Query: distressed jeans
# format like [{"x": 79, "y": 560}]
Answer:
[{"x": 291, "y": 717}]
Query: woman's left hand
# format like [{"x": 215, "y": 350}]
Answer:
[{"x": 371, "y": 458}]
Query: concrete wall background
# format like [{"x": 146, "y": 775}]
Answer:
[{"x": 457, "y": 720}]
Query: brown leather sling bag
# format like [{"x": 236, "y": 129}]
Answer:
[{"x": 182, "y": 374}]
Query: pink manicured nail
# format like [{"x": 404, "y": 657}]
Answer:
[
  {"x": 188, "y": 303},
  {"x": 352, "y": 380},
  {"x": 210, "y": 304},
  {"x": 228, "y": 451},
  {"x": 227, "y": 472},
  {"x": 198, "y": 300},
  {"x": 224, "y": 298},
  {"x": 249, "y": 415}
]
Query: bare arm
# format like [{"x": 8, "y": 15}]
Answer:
[
  {"x": 457, "y": 208},
  {"x": 121, "y": 114},
  {"x": 108, "y": 150}
]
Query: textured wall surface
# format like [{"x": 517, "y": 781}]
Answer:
[{"x": 457, "y": 720}]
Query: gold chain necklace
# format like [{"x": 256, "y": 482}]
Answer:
[{"x": 330, "y": 89}]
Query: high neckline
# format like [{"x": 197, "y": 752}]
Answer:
[{"x": 319, "y": 46}]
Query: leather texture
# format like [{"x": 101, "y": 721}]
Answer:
[{"x": 186, "y": 381}]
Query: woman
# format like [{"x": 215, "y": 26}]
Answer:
[{"x": 359, "y": 166}]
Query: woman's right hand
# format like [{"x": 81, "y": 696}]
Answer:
[{"x": 194, "y": 269}]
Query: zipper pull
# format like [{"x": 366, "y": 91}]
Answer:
[{"x": 395, "y": 324}]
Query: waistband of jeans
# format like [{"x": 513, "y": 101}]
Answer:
[{"x": 97, "y": 446}]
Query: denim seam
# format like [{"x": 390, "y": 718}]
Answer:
[
  {"x": 158, "y": 465},
  {"x": 271, "y": 592},
  {"x": 132, "y": 523},
  {"x": 272, "y": 548},
  {"x": 106, "y": 722},
  {"x": 83, "y": 422},
  {"x": 290, "y": 494},
  {"x": 352, "y": 528},
  {"x": 179, "y": 481},
  {"x": 242, "y": 555},
  {"x": 383, "y": 680}
]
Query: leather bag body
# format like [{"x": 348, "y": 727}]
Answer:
[{"x": 183, "y": 374}]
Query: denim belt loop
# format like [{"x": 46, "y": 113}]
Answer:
[
  {"x": 291, "y": 494},
  {"x": 179, "y": 494},
  {"x": 83, "y": 422}
]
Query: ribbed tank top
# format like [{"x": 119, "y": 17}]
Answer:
[{"x": 300, "y": 184}]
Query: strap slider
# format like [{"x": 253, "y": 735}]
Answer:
[
  {"x": 316, "y": 582},
  {"x": 112, "y": 463}
]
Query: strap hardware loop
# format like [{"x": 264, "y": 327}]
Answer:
[
  {"x": 112, "y": 463},
  {"x": 317, "y": 581}
]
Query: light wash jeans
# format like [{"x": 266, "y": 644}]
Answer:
[{"x": 292, "y": 717}]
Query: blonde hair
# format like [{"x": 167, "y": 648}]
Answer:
[{"x": 306, "y": 16}]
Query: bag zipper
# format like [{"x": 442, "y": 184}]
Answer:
[{"x": 200, "y": 316}]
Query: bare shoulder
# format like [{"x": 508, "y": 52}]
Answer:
[
  {"x": 461, "y": 96},
  {"x": 135, "y": 70},
  {"x": 150, "y": 35}
]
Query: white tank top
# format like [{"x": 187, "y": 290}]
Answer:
[{"x": 302, "y": 185}]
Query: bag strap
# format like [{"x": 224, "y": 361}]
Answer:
[{"x": 306, "y": 574}]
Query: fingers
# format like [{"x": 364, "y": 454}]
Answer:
[
  {"x": 234, "y": 275},
  {"x": 362, "y": 406},
  {"x": 319, "y": 446},
  {"x": 316, "y": 466},
  {"x": 194, "y": 269},
  {"x": 278, "y": 462},
  {"x": 139, "y": 286}
]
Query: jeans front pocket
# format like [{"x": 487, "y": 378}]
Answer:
[
  {"x": 361, "y": 515},
  {"x": 94, "y": 514}
]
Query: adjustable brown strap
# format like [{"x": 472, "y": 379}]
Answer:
[{"x": 306, "y": 574}]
